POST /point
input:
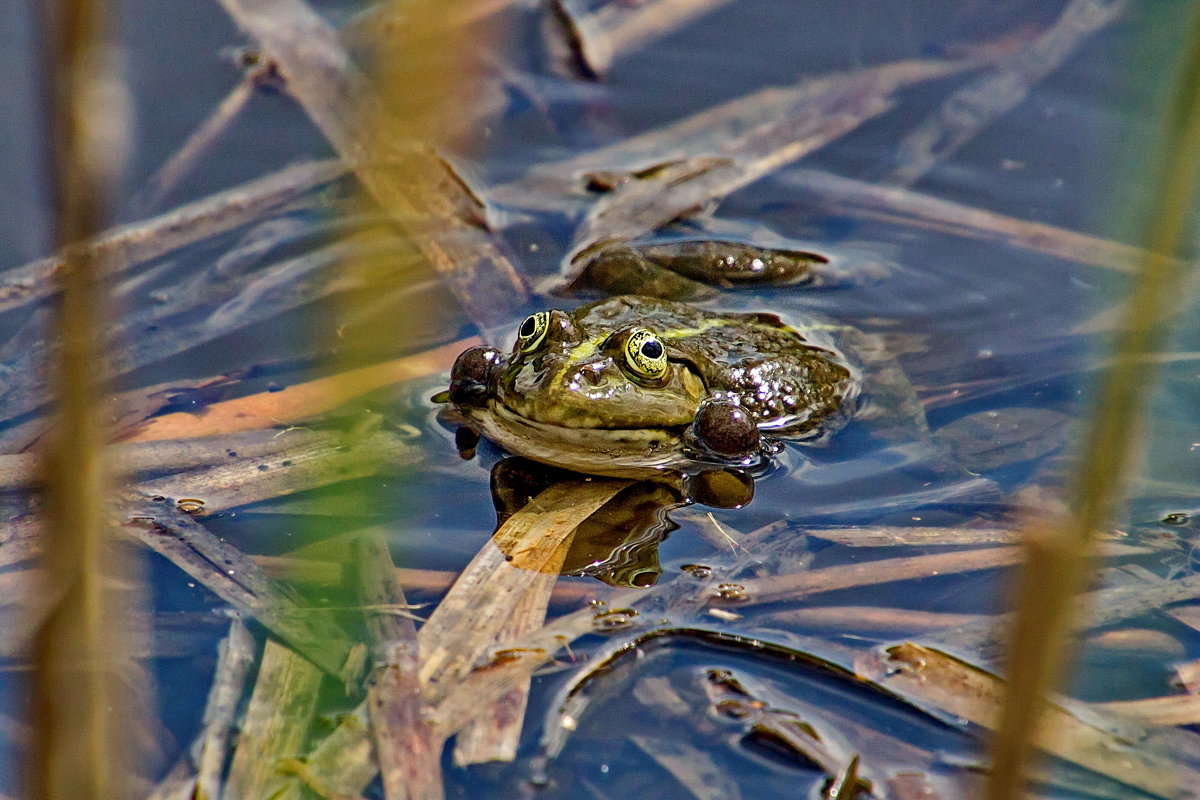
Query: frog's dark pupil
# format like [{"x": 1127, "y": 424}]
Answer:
[
  {"x": 528, "y": 326},
  {"x": 652, "y": 349}
]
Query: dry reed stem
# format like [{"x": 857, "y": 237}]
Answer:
[
  {"x": 869, "y": 619},
  {"x": 184, "y": 160},
  {"x": 298, "y": 469},
  {"x": 494, "y": 736},
  {"x": 566, "y": 592},
  {"x": 83, "y": 706},
  {"x": 422, "y": 194},
  {"x": 723, "y": 131},
  {"x": 1059, "y": 561},
  {"x": 233, "y": 577},
  {"x": 463, "y": 626},
  {"x": 598, "y": 36},
  {"x": 972, "y": 108},
  {"x": 1180, "y": 709},
  {"x": 886, "y": 570},
  {"x": 915, "y": 536},
  {"x": 913, "y": 209}
]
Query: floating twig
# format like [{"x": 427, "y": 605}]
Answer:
[
  {"x": 495, "y": 734},
  {"x": 324, "y": 461}
]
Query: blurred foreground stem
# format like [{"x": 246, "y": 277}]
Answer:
[
  {"x": 1060, "y": 558},
  {"x": 77, "y": 749}
]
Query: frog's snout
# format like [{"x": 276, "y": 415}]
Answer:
[
  {"x": 725, "y": 429},
  {"x": 473, "y": 376}
]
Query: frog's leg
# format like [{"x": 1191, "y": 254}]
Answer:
[
  {"x": 683, "y": 270},
  {"x": 621, "y": 269}
]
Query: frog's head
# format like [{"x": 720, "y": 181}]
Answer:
[
  {"x": 614, "y": 378},
  {"x": 601, "y": 399}
]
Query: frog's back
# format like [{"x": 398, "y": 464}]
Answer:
[{"x": 786, "y": 380}]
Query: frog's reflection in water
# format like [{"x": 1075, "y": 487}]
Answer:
[{"x": 618, "y": 543}]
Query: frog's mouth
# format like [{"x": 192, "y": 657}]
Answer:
[{"x": 623, "y": 452}]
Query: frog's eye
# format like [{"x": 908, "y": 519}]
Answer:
[
  {"x": 645, "y": 354},
  {"x": 532, "y": 331}
]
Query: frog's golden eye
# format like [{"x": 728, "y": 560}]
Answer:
[
  {"x": 532, "y": 331},
  {"x": 645, "y": 355}
]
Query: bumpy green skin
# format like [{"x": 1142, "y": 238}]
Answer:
[{"x": 573, "y": 401}]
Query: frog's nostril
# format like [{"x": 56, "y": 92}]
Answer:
[{"x": 590, "y": 376}]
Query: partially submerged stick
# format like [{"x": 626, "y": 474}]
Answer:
[
  {"x": 723, "y": 131},
  {"x": 812, "y": 115},
  {"x": 987, "y": 640},
  {"x": 972, "y": 108},
  {"x": 240, "y": 301},
  {"x": 136, "y": 243},
  {"x": 276, "y": 724},
  {"x": 597, "y": 36},
  {"x": 408, "y": 754},
  {"x": 906, "y": 207},
  {"x": 800, "y": 584},
  {"x": 235, "y": 657},
  {"x": 184, "y": 160},
  {"x": 229, "y": 574},
  {"x": 930, "y": 678}
]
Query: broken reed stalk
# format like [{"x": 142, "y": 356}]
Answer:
[
  {"x": 81, "y": 734},
  {"x": 1058, "y": 562}
]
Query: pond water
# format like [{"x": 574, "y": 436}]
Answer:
[{"x": 983, "y": 330}]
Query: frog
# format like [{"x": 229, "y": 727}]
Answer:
[{"x": 632, "y": 386}]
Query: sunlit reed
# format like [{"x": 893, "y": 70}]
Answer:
[
  {"x": 80, "y": 706},
  {"x": 1060, "y": 556}
]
